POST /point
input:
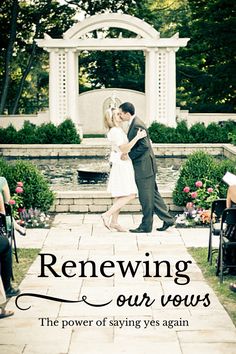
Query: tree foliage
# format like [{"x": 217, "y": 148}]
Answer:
[
  {"x": 22, "y": 78},
  {"x": 205, "y": 68}
]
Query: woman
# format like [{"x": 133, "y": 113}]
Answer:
[
  {"x": 3, "y": 312},
  {"x": 6, "y": 267},
  {"x": 232, "y": 287},
  {"x": 230, "y": 231},
  {"x": 5, "y": 198},
  {"x": 231, "y": 197},
  {"x": 121, "y": 182}
]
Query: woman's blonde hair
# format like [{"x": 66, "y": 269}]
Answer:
[{"x": 109, "y": 120}]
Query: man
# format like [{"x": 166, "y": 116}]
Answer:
[{"x": 145, "y": 169}]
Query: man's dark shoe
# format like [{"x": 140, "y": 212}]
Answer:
[
  {"x": 165, "y": 226},
  {"x": 139, "y": 230},
  {"x": 10, "y": 292}
]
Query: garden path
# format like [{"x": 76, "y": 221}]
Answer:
[{"x": 206, "y": 330}]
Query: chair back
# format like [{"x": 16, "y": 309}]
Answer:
[
  {"x": 3, "y": 224},
  {"x": 229, "y": 216},
  {"x": 217, "y": 207},
  {"x": 8, "y": 209}
]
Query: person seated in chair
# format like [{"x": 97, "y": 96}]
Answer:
[
  {"x": 3, "y": 312},
  {"x": 6, "y": 267},
  {"x": 231, "y": 197},
  {"x": 5, "y": 198},
  {"x": 232, "y": 287},
  {"x": 231, "y": 229}
]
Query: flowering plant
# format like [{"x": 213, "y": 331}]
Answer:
[
  {"x": 203, "y": 195},
  {"x": 31, "y": 217},
  {"x": 17, "y": 201},
  {"x": 35, "y": 218},
  {"x": 197, "y": 210}
]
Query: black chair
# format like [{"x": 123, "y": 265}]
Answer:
[
  {"x": 7, "y": 229},
  {"x": 227, "y": 247},
  {"x": 217, "y": 209}
]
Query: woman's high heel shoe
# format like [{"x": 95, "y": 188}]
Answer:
[
  {"x": 118, "y": 227},
  {"x": 105, "y": 220}
]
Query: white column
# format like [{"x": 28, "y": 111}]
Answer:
[
  {"x": 151, "y": 85},
  {"x": 171, "y": 88},
  {"x": 53, "y": 87},
  {"x": 72, "y": 86}
]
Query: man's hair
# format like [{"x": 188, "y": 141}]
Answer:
[{"x": 127, "y": 107}]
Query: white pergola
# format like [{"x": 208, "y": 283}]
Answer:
[{"x": 160, "y": 72}]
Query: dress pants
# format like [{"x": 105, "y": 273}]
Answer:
[{"x": 151, "y": 201}]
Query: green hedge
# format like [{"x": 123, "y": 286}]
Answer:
[
  {"x": 197, "y": 133},
  {"x": 201, "y": 166},
  {"x": 36, "y": 189},
  {"x": 48, "y": 133}
]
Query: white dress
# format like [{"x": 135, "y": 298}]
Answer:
[{"x": 121, "y": 180}]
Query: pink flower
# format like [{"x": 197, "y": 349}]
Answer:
[
  {"x": 189, "y": 205},
  {"x": 194, "y": 195},
  {"x": 12, "y": 202},
  {"x": 186, "y": 189},
  {"x": 209, "y": 190},
  {"x": 19, "y": 184},
  {"x": 198, "y": 184},
  {"x": 19, "y": 190}
]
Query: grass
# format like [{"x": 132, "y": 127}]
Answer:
[
  {"x": 225, "y": 296},
  {"x": 26, "y": 258}
]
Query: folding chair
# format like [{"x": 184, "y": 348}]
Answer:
[
  {"x": 217, "y": 209},
  {"x": 227, "y": 242},
  {"x": 3, "y": 225},
  {"x": 7, "y": 228}
]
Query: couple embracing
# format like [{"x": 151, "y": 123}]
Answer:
[{"x": 133, "y": 170}]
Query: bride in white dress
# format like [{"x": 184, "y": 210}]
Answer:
[{"x": 121, "y": 183}]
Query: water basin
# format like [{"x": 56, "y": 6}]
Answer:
[{"x": 62, "y": 173}]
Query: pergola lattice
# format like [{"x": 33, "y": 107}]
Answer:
[{"x": 160, "y": 70}]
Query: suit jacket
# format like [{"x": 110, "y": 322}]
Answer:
[{"x": 141, "y": 154}]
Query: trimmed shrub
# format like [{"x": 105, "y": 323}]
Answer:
[
  {"x": 27, "y": 134},
  {"x": 182, "y": 132},
  {"x": 36, "y": 189},
  {"x": 220, "y": 170},
  {"x": 215, "y": 134},
  {"x": 198, "y": 133},
  {"x": 232, "y": 138},
  {"x": 67, "y": 133},
  {"x": 4, "y": 169},
  {"x": 198, "y": 166},
  {"x": 160, "y": 133},
  {"x": 8, "y": 135},
  {"x": 47, "y": 134}
]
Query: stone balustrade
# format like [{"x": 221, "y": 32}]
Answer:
[{"x": 101, "y": 148}]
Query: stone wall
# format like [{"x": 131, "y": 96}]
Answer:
[
  {"x": 100, "y": 148},
  {"x": 98, "y": 202}
]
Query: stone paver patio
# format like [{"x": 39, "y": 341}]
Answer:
[{"x": 114, "y": 329}]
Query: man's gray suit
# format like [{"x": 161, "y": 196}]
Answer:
[{"x": 145, "y": 169}]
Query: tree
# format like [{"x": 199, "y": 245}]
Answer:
[
  {"x": 9, "y": 50},
  {"x": 31, "y": 21},
  {"x": 212, "y": 50}
]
